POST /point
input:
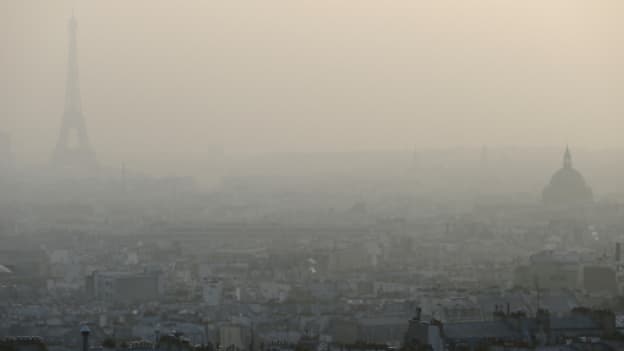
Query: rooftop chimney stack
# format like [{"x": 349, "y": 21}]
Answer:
[
  {"x": 85, "y": 331},
  {"x": 418, "y": 314},
  {"x": 157, "y": 334}
]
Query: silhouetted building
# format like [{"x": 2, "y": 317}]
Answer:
[
  {"x": 422, "y": 335},
  {"x": 124, "y": 286},
  {"x": 174, "y": 342},
  {"x": 22, "y": 343},
  {"x": 551, "y": 270},
  {"x": 600, "y": 279},
  {"x": 73, "y": 149},
  {"x": 212, "y": 292},
  {"x": 510, "y": 331},
  {"x": 567, "y": 186}
]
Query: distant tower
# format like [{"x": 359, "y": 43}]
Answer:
[
  {"x": 73, "y": 149},
  {"x": 567, "y": 158}
]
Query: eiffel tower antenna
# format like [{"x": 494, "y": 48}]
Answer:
[{"x": 73, "y": 148}]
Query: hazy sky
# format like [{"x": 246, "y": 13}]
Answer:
[{"x": 302, "y": 75}]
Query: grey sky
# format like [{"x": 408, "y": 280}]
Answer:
[{"x": 276, "y": 75}]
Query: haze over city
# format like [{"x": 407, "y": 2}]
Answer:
[
  {"x": 311, "y": 175},
  {"x": 165, "y": 78}
]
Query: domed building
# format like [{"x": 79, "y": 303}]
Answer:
[{"x": 567, "y": 186}]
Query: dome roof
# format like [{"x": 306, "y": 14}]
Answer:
[{"x": 567, "y": 186}]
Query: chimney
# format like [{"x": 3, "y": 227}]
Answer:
[
  {"x": 499, "y": 312},
  {"x": 85, "y": 331},
  {"x": 418, "y": 313},
  {"x": 618, "y": 252},
  {"x": 157, "y": 334}
]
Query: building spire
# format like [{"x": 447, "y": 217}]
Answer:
[{"x": 567, "y": 158}]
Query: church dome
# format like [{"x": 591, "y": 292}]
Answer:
[{"x": 567, "y": 186}]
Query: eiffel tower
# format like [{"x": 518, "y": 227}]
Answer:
[{"x": 73, "y": 148}]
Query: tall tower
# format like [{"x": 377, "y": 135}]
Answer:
[
  {"x": 567, "y": 158},
  {"x": 73, "y": 148}
]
